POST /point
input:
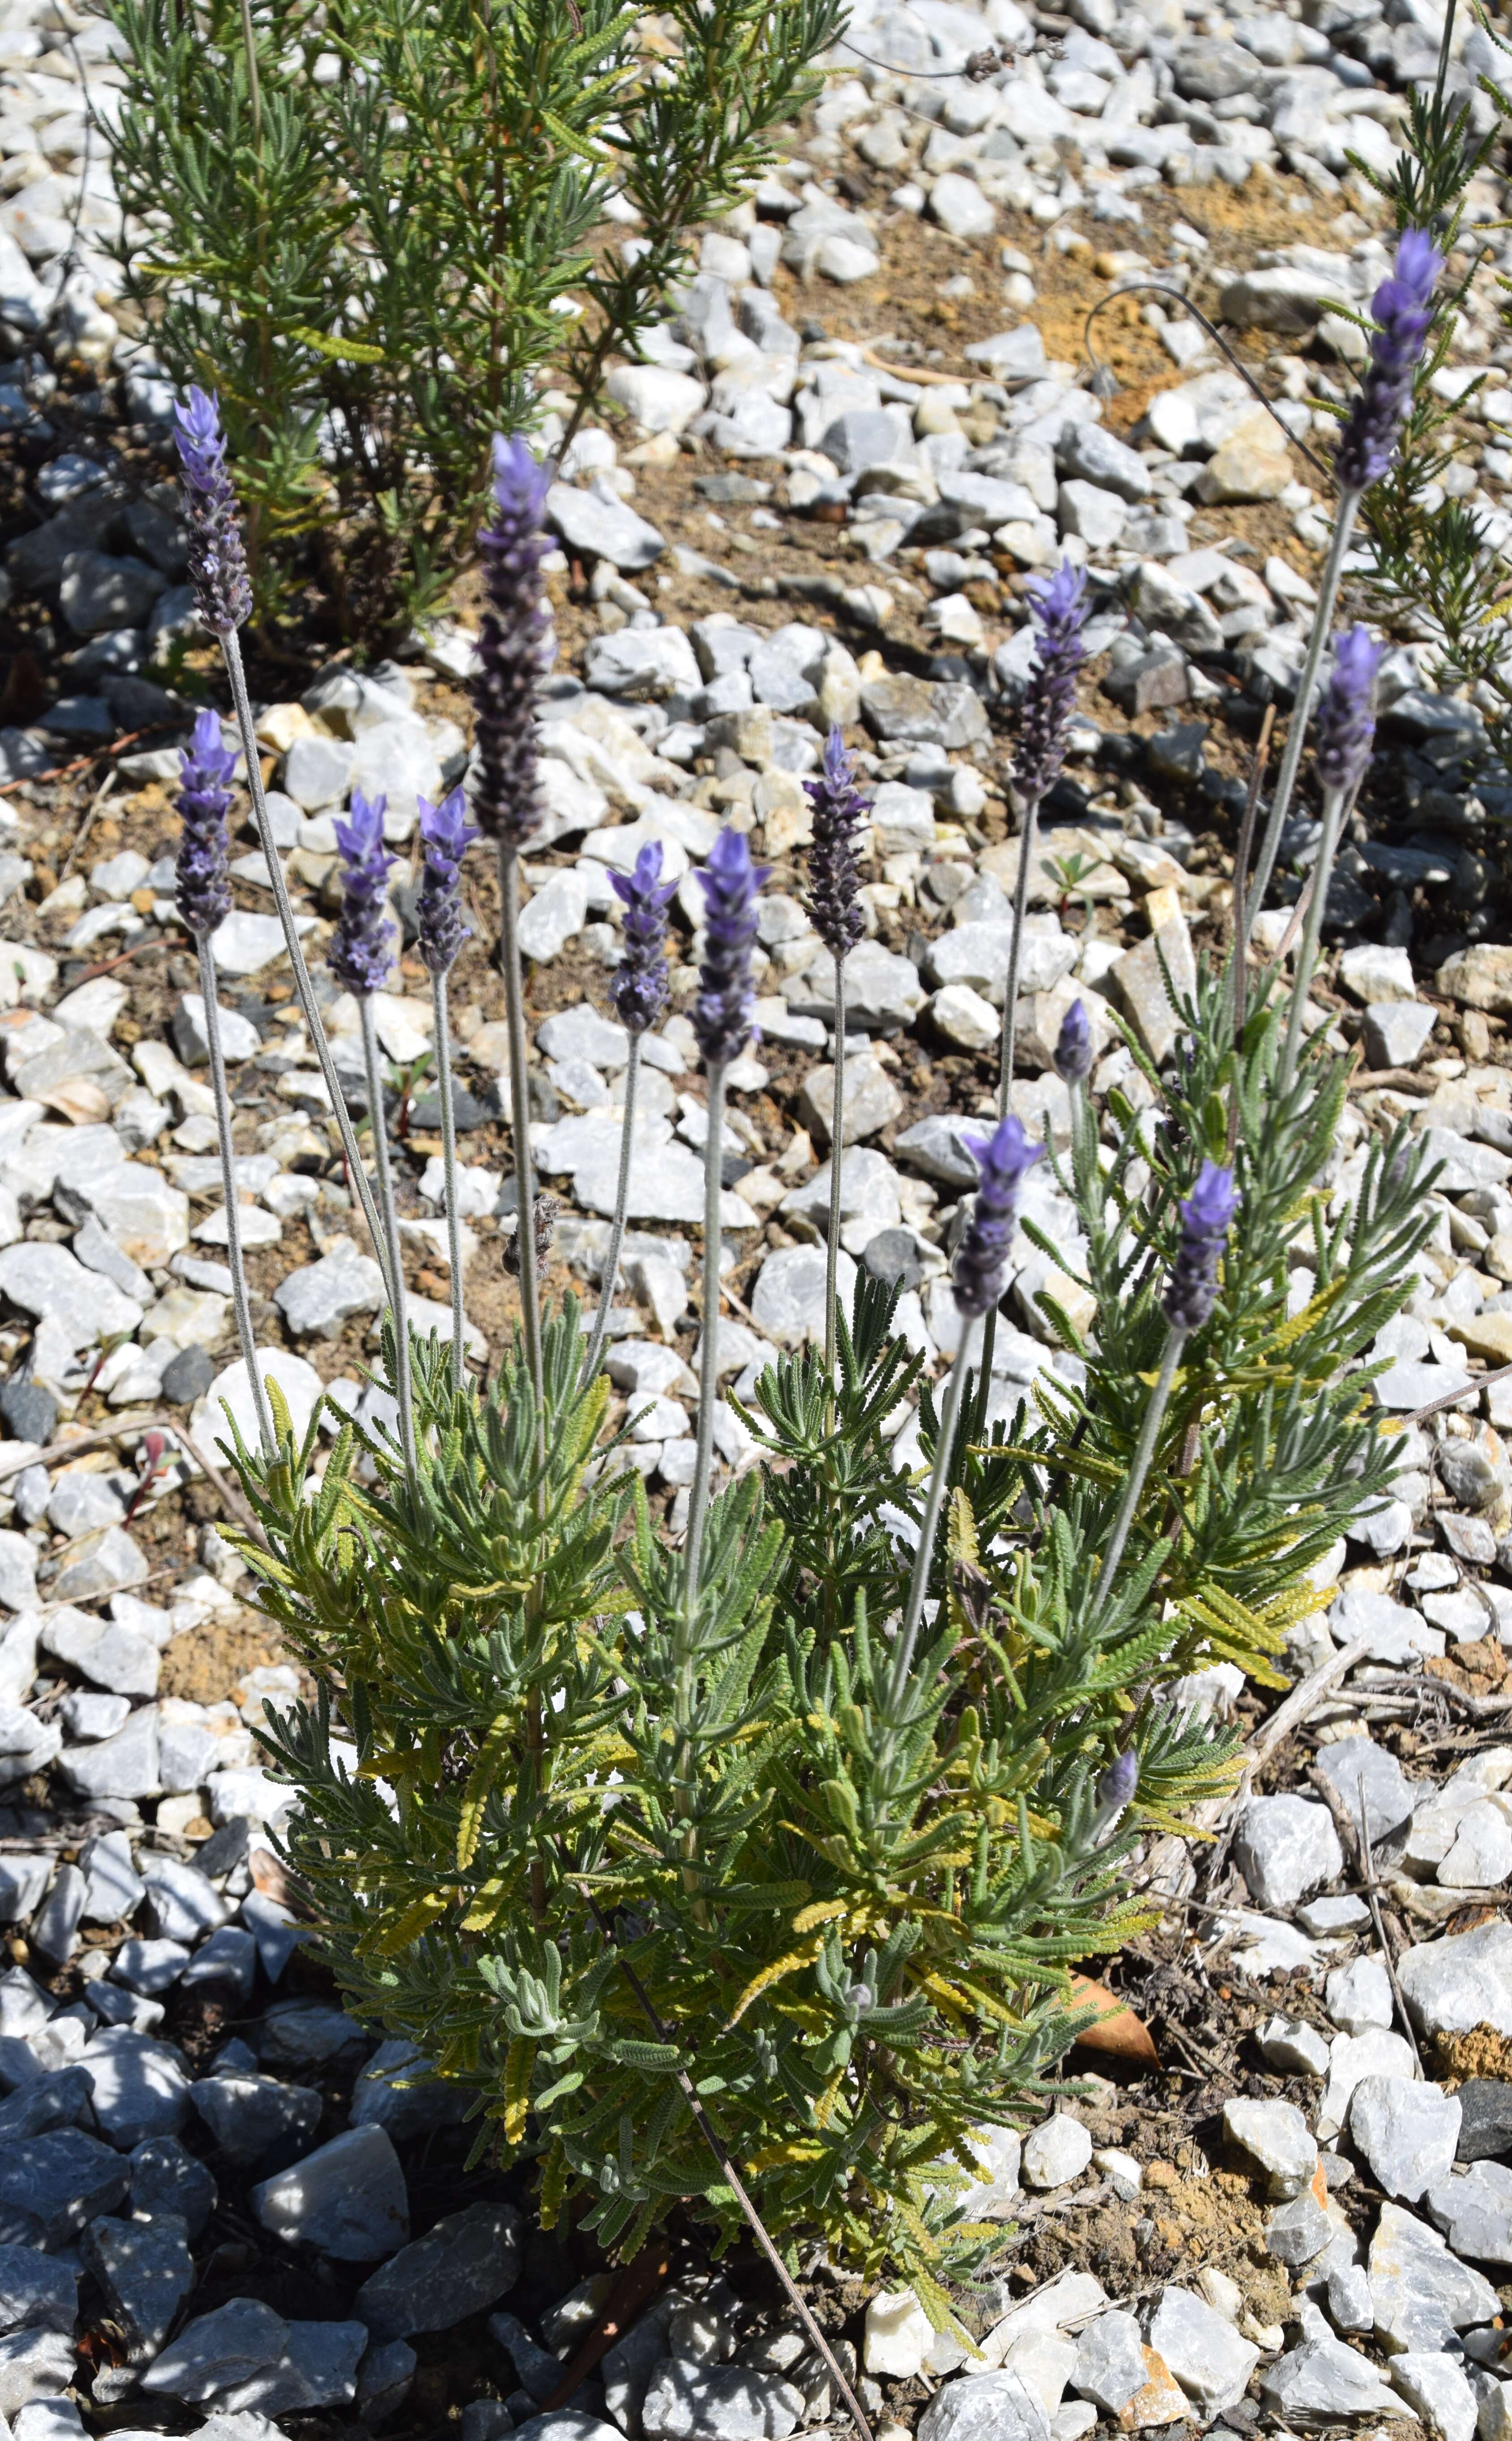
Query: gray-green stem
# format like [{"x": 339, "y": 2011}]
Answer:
[
  {"x": 610, "y": 1270},
  {"x": 709, "y": 1354},
  {"x": 1140, "y": 1465},
  {"x": 448, "y": 1116},
  {"x": 1336, "y": 805},
  {"x": 509, "y": 895},
  {"x": 231, "y": 650},
  {"x": 233, "y": 1210},
  {"x": 832, "y": 1255},
  {"x": 1297, "y": 728},
  {"x": 938, "y": 1476},
  {"x": 385, "y": 1200}
]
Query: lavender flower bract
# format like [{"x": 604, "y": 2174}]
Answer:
[
  {"x": 448, "y": 835},
  {"x": 721, "y": 1015},
  {"x": 217, "y": 563},
  {"x": 514, "y": 647},
  {"x": 1403, "y": 308},
  {"x": 1346, "y": 717},
  {"x": 638, "y": 987},
  {"x": 1206, "y": 1216},
  {"x": 204, "y": 895},
  {"x": 360, "y": 955},
  {"x": 1006, "y": 1157},
  {"x": 834, "y": 867},
  {"x": 1073, "y": 1049},
  {"x": 1059, "y": 607},
  {"x": 1117, "y": 1785}
]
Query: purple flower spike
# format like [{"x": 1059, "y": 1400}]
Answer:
[
  {"x": 448, "y": 835},
  {"x": 1073, "y": 1051},
  {"x": 204, "y": 891},
  {"x": 217, "y": 563},
  {"x": 1346, "y": 717},
  {"x": 514, "y": 647},
  {"x": 1117, "y": 1785},
  {"x": 840, "y": 810},
  {"x": 638, "y": 988},
  {"x": 1059, "y": 606},
  {"x": 721, "y": 1017},
  {"x": 1207, "y": 1215},
  {"x": 1403, "y": 308},
  {"x": 360, "y": 955},
  {"x": 1005, "y": 1157}
]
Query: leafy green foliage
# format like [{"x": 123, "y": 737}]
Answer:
[
  {"x": 579, "y": 1842},
  {"x": 375, "y": 236}
]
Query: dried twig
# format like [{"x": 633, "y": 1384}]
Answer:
[{"x": 57, "y": 1452}]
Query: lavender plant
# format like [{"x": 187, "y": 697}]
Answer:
[
  {"x": 840, "y": 810},
  {"x": 638, "y": 991},
  {"x": 204, "y": 901},
  {"x": 1346, "y": 729},
  {"x": 446, "y": 835}
]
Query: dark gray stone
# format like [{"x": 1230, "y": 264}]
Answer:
[
  {"x": 145, "y": 2269},
  {"x": 166, "y": 2178},
  {"x": 28, "y": 1412},
  {"x": 248, "y": 2115},
  {"x": 186, "y": 1377},
  {"x": 396, "y": 2090},
  {"x": 65, "y": 2178},
  {"x": 36, "y": 2292},
  {"x": 1486, "y": 2108},
  {"x": 464, "y": 2263},
  {"x": 892, "y": 1255}
]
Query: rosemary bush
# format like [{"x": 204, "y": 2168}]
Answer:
[{"x": 373, "y": 229}]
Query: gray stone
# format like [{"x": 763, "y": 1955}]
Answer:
[
  {"x": 872, "y": 1099},
  {"x": 248, "y": 2115},
  {"x": 28, "y": 1412},
  {"x": 536, "y": 2369},
  {"x": 138, "y": 1209},
  {"x": 1055, "y": 2152},
  {"x": 146, "y": 2271},
  {"x": 124, "y": 1765},
  {"x": 33, "y": 2364},
  {"x": 1087, "y": 510},
  {"x": 166, "y": 2178},
  {"x": 23, "y": 1880},
  {"x": 457, "y": 2268},
  {"x": 1359, "y": 1995},
  {"x": 1395, "y": 1032},
  {"x": 1486, "y": 2119},
  {"x": 1299, "y": 2232},
  {"x": 1349, "y": 2305},
  {"x": 149, "y": 1966},
  {"x": 1474, "y": 2211},
  {"x": 228, "y": 1958},
  {"x": 985, "y": 2407},
  {"x": 1293, "y": 2047},
  {"x": 645, "y": 663},
  {"x": 1358, "y": 1768},
  {"x": 110, "y": 1657},
  {"x": 318, "y": 1299},
  {"x": 1453, "y": 1985},
  {"x": 788, "y": 1297},
  {"x": 882, "y": 990},
  {"x": 37, "y": 2291},
  {"x": 315, "y": 2368},
  {"x": 116, "y": 1889},
  {"x": 978, "y": 951},
  {"x": 64, "y": 2179},
  {"x": 396, "y": 2090},
  {"x": 1110, "y": 2361},
  {"x": 1286, "y": 1848},
  {"x": 706, "y": 2403},
  {"x": 99, "y": 1252},
  {"x": 304, "y": 2034},
  {"x": 1322, "y": 2383},
  {"x": 98, "y": 594},
  {"x": 862, "y": 437},
  {"x": 1097, "y": 456},
  {"x": 946, "y": 712},
  {"x": 18, "y": 1571},
  {"x": 80, "y": 1502},
  {"x": 56, "y": 1931},
  {"x": 105, "y": 1562},
  {"x": 1439, "y": 2392},
  {"x": 139, "y": 2086},
  {"x": 347, "y": 2199},
  {"x": 1210, "y": 2359},
  {"x": 219, "y": 2351},
  {"x": 1406, "y": 2132},
  {"x": 1274, "y": 2134},
  {"x": 567, "y": 2423},
  {"x": 603, "y": 528},
  {"x": 556, "y": 913},
  {"x": 1139, "y": 981},
  {"x": 384, "y": 2380},
  {"x": 186, "y": 1377},
  {"x": 1422, "y": 2293}
]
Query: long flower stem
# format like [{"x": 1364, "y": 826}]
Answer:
[
  {"x": 233, "y": 1210},
  {"x": 832, "y": 1254},
  {"x": 1335, "y": 806},
  {"x": 709, "y": 1354},
  {"x": 448, "y": 1117},
  {"x": 1028, "y": 843},
  {"x": 508, "y": 896},
  {"x": 610, "y": 1270},
  {"x": 231, "y": 648},
  {"x": 1297, "y": 728},
  {"x": 386, "y": 1197},
  {"x": 1140, "y": 1465},
  {"x": 939, "y": 1477}
]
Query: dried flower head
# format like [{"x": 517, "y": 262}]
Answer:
[
  {"x": 1059, "y": 607},
  {"x": 638, "y": 986},
  {"x": 545, "y": 1209},
  {"x": 840, "y": 813},
  {"x": 448, "y": 835},
  {"x": 360, "y": 955},
  {"x": 203, "y": 894},
  {"x": 1347, "y": 717},
  {"x": 1005, "y": 1157},
  {"x": 721, "y": 1016},
  {"x": 513, "y": 647},
  {"x": 1207, "y": 1215},
  {"x": 1073, "y": 1049},
  {"x": 217, "y": 563},
  {"x": 1403, "y": 308}
]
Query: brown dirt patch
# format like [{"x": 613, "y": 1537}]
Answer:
[
  {"x": 205, "y": 1665},
  {"x": 1481, "y": 2052}
]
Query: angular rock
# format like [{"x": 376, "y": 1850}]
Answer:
[
  {"x": 456, "y": 2269},
  {"x": 1438, "y": 2390},
  {"x": 984, "y": 2407},
  {"x": 602, "y": 528},
  {"x": 140, "y": 2089},
  {"x": 396, "y": 2090},
  {"x": 1360, "y": 1769},
  {"x": 1286, "y": 1848},
  {"x": 1275, "y": 2135},
  {"x": 1322, "y": 2383},
  {"x": 1466, "y": 1980},
  {"x": 33, "y": 2366},
  {"x": 248, "y": 2115},
  {"x": 1210, "y": 2359},
  {"x": 1422, "y": 2294},
  {"x": 1358, "y": 1995},
  {"x": 124, "y": 1765},
  {"x": 64, "y": 2179},
  {"x": 318, "y": 1299},
  {"x": 166, "y": 2178},
  {"x": 146, "y": 2271},
  {"x": 109, "y": 1655},
  {"x": 37, "y": 2291},
  {"x": 1110, "y": 2361},
  {"x": 1474, "y": 2211},
  {"x": 1486, "y": 2119},
  {"x": 348, "y": 2198},
  {"x": 1055, "y": 2152},
  {"x": 219, "y": 2351},
  {"x": 687, "y": 2402}
]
